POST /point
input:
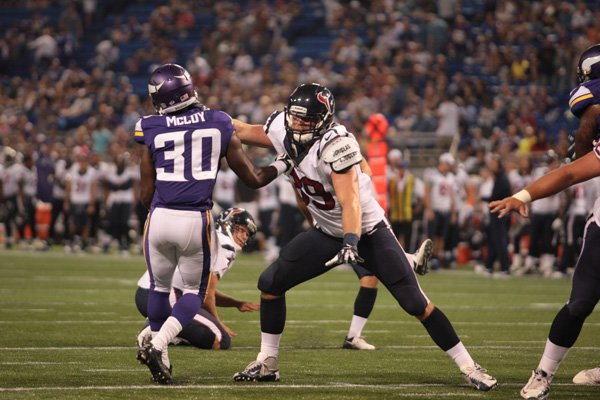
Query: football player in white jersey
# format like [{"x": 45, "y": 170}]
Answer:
[
  {"x": 80, "y": 199},
  {"x": 349, "y": 227},
  {"x": 235, "y": 226},
  {"x": 585, "y": 289}
]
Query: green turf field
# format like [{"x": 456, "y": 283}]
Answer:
[{"x": 68, "y": 323}]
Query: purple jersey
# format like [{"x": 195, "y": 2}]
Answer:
[
  {"x": 186, "y": 149},
  {"x": 584, "y": 95}
]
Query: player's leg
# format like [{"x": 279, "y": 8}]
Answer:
[
  {"x": 205, "y": 332},
  {"x": 565, "y": 329},
  {"x": 388, "y": 261},
  {"x": 293, "y": 266},
  {"x": 363, "y": 305},
  {"x": 187, "y": 248}
]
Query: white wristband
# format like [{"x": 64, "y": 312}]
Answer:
[
  {"x": 523, "y": 196},
  {"x": 280, "y": 166}
]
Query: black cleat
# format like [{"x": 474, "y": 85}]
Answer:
[{"x": 152, "y": 358}]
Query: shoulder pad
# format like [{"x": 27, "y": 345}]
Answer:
[
  {"x": 270, "y": 120},
  {"x": 581, "y": 98},
  {"x": 342, "y": 153}
]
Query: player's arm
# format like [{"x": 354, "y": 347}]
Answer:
[
  {"x": 148, "y": 178},
  {"x": 366, "y": 168},
  {"x": 343, "y": 155},
  {"x": 588, "y": 129},
  {"x": 223, "y": 300},
  {"x": 556, "y": 181},
  {"x": 254, "y": 177},
  {"x": 346, "y": 189},
  {"x": 210, "y": 303},
  {"x": 250, "y": 134}
]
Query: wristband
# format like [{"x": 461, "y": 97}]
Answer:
[
  {"x": 351, "y": 239},
  {"x": 523, "y": 196},
  {"x": 280, "y": 166}
]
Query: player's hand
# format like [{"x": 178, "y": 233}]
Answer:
[
  {"x": 229, "y": 331},
  {"x": 247, "y": 306},
  {"x": 287, "y": 161},
  {"x": 504, "y": 206},
  {"x": 347, "y": 255}
]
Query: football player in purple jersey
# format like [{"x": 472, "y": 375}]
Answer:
[
  {"x": 349, "y": 226},
  {"x": 585, "y": 289},
  {"x": 182, "y": 148}
]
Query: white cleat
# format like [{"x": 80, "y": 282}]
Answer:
[
  {"x": 538, "y": 386},
  {"x": 357, "y": 343},
  {"x": 422, "y": 257},
  {"x": 259, "y": 371},
  {"x": 587, "y": 377},
  {"x": 478, "y": 377}
]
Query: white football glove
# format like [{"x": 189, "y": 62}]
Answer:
[
  {"x": 284, "y": 164},
  {"x": 349, "y": 252},
  {"x": 347, "y": 255}
]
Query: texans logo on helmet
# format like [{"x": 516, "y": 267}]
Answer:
[{"x": 325, "y": 100}]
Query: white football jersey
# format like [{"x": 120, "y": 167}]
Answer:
[
  {"x": 547, "y": 205},
  {"x": 12, "y": 176},
  {"x": 224, "y": 191},
  {"x": 443, "y": 190},
  {"x": 81, "y": 185},
  {"x": 29, "y": 177},
  {"x": 312, "y": 179}
]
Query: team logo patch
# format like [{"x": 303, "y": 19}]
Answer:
[{"x": 324, "y": 98}]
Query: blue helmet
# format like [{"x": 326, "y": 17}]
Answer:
[
  {"x": 171, "y": 89},
  {"x": 588, "y": 67}
]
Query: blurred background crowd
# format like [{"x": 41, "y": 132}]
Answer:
[{"x": 474, "y": 93}]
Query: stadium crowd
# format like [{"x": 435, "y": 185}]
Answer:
[{"x": 491, "y": 77}]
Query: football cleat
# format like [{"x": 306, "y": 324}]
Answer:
[
  {"x": 478, "y": 377},
  {"x": 422, "y": 257},
  {"x": 155, "y": 361},
  {"x": 143, "y": 338},
  {"x": 259, "y": 371},
  {"x": 587, "y": 377},
  {"x": 357, "y": 343},
  {"x": 538, "y": 386}
]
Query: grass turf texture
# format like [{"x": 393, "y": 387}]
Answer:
[{"x": 68, "y": 325}]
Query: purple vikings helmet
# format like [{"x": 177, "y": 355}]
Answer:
[
  {"x": 171, "y": 89},
  {"x": 588, "y": 67},
  {"x": 310, "y": 102}
]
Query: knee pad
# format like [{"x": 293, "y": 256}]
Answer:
[
  {"x": 410, "y": 299},
  {"x": 270, "y": 282},
  {"x": 581, "y": 308}
]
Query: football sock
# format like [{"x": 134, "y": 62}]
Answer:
[
  {"x": 440, "y": 329},
  {"x": 186, "y": 308},
  {"x": 272, "y": 315},
  {"x": 565, "y": 328},
  {"x": 269, "y": 346},
  {"x": 356, "y": 326},
  {"x": 159, "y": 309},
  {"x": 460, "y": 356},
  {"x": 553, "y": 355},
  {"x": 168, "y": 331},
  {"x": 365, "y": 300}
]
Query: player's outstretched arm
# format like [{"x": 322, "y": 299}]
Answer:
[
  {"x": 556, "y": 181},
  {"x": 253, "y": 135},
  {"x": 254, "y": 177}
]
